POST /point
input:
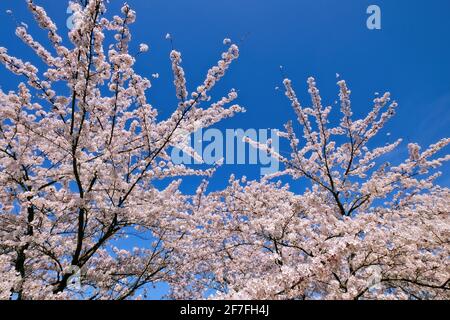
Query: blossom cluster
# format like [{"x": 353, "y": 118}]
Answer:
[
  {"x": 87, "y": 170},
  {"x": 78, "y": 166},
  {"x": 362, "y": 229}
]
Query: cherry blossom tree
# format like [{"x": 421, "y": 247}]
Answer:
[
  {"x": 81, "y": 149},
  {"x": 362, "y": 229}
]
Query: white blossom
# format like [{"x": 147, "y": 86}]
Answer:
[
  {"x": 362, "y": 229},
  {"x": 78, "y": 165},
  {"x": 143, "y": 47}
]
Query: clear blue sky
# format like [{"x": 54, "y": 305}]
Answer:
[{"x": 409, "y": 56}]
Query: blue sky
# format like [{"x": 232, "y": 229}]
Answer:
[{"x": 409, "y": 57}]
